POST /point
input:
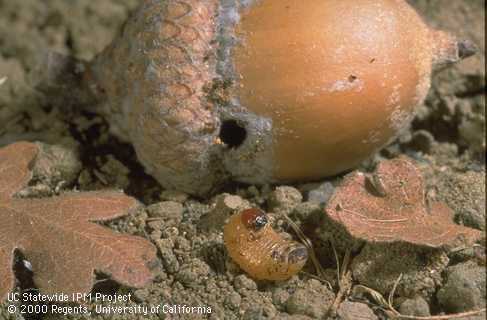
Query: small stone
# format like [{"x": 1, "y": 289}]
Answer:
[
  {"x": 416, "y": 306},
  {"x": 243, "y": 282},
  {"x": 223, "y": 284},
  {"x": 155, "y": 234},
  {"x": 193, "y": 273},
  {"x": 233, "y": 300},
  {"x": 173, "y": 195},
  {"x": 421, "y": 141},
  {"x": 215, "y": 254},
  {"x": 155, "y": 224},
  {"x": 55, "y": 164},
  {"x": 165, "y": 243},
  {"x": 229, "y": 203},
  {"x": 280, "y": 296},
  {"x": 85, "y": 179},
  {"x": 141, "y": 295},
  {"x": 224, "y": 205},
  {"x": 305, "y": 210},
  {"x": 169, "y": 260},
  {"x": 285, "y": 198},
  {"x": 465, "y": 193},
  {"x": 169, "y": 232},
  {"x": 260, "y": 312},
  {"x": 464, "y": 289},
  {"x": 469, "y": 130},
  {"x": 170, "y": 212},
  {"x": 321, "y": 194},
  {"x": 36, "y": 191},
  {"x": 355, "y": 310},
  {"x": 314, "y": 300},
  {"x": 183, "y": 244},
  {"x": 115, "y": 173}
]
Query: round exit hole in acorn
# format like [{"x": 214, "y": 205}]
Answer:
[{"x": 232, "y": 133}]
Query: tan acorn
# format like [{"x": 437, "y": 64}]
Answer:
[{"x": 265, "y": 91}]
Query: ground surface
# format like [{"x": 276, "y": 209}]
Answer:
[{"x": 446, "y": 138}]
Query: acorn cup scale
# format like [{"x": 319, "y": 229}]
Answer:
[{"x": 266, "y": 91}]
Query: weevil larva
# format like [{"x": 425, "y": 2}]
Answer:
[{"x": 259, "y": 250}]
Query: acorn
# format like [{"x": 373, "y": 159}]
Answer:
[{"x": 268, "y": 91}]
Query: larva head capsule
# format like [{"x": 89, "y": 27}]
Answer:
[
  {"x": 265, "y": 91},
  {"x": 259, "y": 250},
  {"x": 254, "y": 219}
]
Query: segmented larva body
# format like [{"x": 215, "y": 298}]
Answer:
[{"x": 259, "y": 250}]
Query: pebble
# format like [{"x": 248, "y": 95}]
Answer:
[
  {"x": 141, "y": 295},
  {"x": 170, "y": 212},
  {"x": 243, "y": 282},
  {"x": 182, "y": 244},
  {"x": 169, "y": 260},
  {"x": 469, "y": 129},
  {"x": 55, "y": 164},
  {"x": 173, "y": 195},
  {"x": 321, "y": 194},
  {"x": 228, "y": 203},
  {"x": 355, "y": 310},
  {"x": 306, "y": 209},
  {"x": 223, "y": 206},
  {"x": 285, "y": 198},
  {"x": 464, "y": 289},
  {"x": 421, "y": 141},
  {"x": 233, "y": 300},
  {"x": 313, "y": 300},
  {"x": 416, "y": 306},
  {"x": 257, "y": 312},
  {"x": 114, "y": 172},
  {"x": 193, "y": 273},
  {"x": 465, "y": 194},
  {"x": 280, "y": 296}
]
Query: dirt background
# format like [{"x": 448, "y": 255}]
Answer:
[{"x": 446, "y": 139}]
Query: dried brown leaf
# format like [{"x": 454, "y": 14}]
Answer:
[
  {"x": 391, "y": 206},
  {"x": 58, "y": 236}
]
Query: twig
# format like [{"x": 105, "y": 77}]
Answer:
[
  {"x": 337, "y": 262},
  {"x": 319, "y": 269},
  {"x": 345, "y": 262},
  {"x": 344, "y": 289},
  {"x": 374, "y": 294},
  {"x": 391, "y": 296},
  {"x": 344, "y": 281},
  {"x": 444, "y": 317}
]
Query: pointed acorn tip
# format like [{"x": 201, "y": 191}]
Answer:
[
  {"x": 448, "y": 49},
  {"x": 466, "y": 48}
]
